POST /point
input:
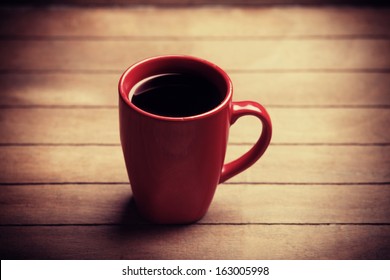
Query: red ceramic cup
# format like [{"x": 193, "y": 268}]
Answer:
[{"x": 174, "y": 164}]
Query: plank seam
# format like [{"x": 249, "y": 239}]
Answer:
[
  {"x": 309, "y": 183},
  {"x": 9, "y": 4},
  {"x": 230, "y": 71},
  {"x": 276, "y": 106},
  {"x": 226, "y": 183},
  {"x": 196, "y": 224},
  {"x": 195, "y": 38},
  {"x": 384, "y": 144}
]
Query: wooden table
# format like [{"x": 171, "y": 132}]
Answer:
[{"x": 321, "y": 191}]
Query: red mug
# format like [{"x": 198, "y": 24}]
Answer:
[{"x": 174, "y": 164}]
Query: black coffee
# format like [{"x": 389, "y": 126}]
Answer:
[{"x": 176, "y": 95}]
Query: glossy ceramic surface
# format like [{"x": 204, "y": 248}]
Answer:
[{"x": 175, "y": 164}]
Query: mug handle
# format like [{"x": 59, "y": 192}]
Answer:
[{"x": 240, "y": 109}]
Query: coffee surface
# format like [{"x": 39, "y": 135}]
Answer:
[{"x": 176, "y": 95}]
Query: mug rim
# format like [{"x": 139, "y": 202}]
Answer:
[{"x": 124, "y": 94}]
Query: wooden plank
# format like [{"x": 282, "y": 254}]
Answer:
[
  {"x": 60, "y": 125},
  {"x": 317, "y": 218},
  {"x": 291, "y": 125},
  {"x": 248, "y": 55},
  {"x": 232, "y": 204},
  {"x": 216, "y": 21},
  {"x": 192, "y": 3},
  {"x": 280, "y": 164},
  {"x": 313, "y": 88},
  {"x": 271, "y": 89},
  {"x": 197, "y": 242}
]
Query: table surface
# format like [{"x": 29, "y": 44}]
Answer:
[{"x": 321, "y": 190}]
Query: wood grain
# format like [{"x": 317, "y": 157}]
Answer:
[
  {"x": 291, "y": 125},
  {"x": 280, "y": 164},
  {"x": 232, "y": 22},
  {"x": 316, "y": 89},
  {"x": 197, "y": 242},
  {"x": 233, "y": 204},
  {"x": 248, "y": 55},
  {"x": 191, "y": 3},
  {"x": 321, "y": 190}
]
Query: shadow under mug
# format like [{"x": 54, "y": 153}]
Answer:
[{"x": 174, "y": 164}]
